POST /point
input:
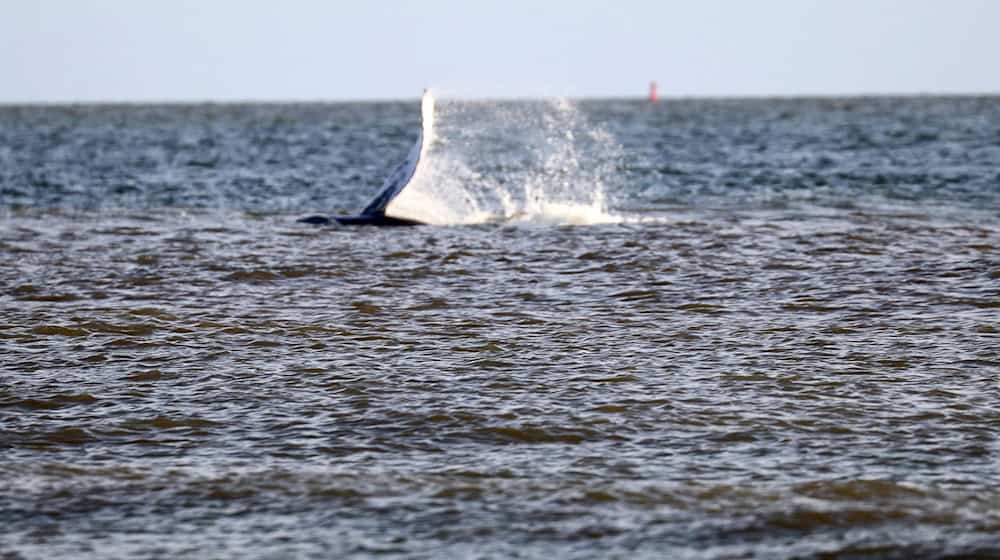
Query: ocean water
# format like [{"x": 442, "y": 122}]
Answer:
[{"x": 696, "y": 329}]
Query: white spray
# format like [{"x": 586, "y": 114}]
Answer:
[{"x": 509, "y": 161}]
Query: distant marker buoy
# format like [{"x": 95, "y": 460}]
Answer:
[{"x": 653, "y": 97}]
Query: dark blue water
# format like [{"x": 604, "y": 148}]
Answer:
[{"x": 700, "y": 329}]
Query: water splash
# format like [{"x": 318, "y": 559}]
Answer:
[{"x": 534, "y": 162}]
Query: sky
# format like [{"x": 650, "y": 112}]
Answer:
[{"x": 226, "y": 50}]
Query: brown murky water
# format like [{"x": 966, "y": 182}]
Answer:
[{"x": 768, "y": 371}]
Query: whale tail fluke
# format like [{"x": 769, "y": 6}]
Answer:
[{"x": 375, "y": 212}]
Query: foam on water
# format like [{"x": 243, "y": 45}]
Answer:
[{"x": 536, "y": 162}]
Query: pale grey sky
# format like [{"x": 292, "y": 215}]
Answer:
[{"x": 141, "y": 50}]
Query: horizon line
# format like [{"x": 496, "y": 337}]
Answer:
[{"x": 344, "y": 100}]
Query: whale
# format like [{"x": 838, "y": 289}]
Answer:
[{"x": 380, "y": 211}]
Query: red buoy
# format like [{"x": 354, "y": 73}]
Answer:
[{"x": 652, "y": 92}]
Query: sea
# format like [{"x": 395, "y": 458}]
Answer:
[{"x": 695, "y": 329}]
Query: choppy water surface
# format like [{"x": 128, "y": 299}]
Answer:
[{"x": 781, "y": 342}]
